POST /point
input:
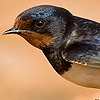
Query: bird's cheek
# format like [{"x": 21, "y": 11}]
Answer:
[{"x": 38, "y": 40}]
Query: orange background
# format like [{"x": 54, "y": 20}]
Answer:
[{"x": 25, "y": 73}]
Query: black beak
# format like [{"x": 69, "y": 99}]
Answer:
[{"x": 13, "y": 30}]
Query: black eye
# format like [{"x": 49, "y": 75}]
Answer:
[{"x": 39, "y": 23}]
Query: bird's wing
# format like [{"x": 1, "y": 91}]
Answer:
[
  {"x": 83, "y": 46},
  {"x": 84, "y": 54}
]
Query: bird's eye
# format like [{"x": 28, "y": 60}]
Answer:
[{"x": 39, "y": 23}]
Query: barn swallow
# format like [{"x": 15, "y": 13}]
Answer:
[{"x": 70, "y": 43}]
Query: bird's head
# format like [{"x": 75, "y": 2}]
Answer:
[{"x": 42, "y": 25}]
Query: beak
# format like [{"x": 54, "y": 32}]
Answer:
[{"x": 13, "y": 30}]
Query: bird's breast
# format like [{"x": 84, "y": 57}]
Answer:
[{"x": 83, "y": 75}]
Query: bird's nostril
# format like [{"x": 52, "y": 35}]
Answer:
[{"x": 16, "y": 28}]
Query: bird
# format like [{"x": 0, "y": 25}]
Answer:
[{"x": 70, "y": 43}]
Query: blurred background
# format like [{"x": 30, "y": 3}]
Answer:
[{"x": 25, "y": 73}]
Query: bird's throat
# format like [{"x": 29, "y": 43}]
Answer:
[{"x": 37, "y": 40}]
